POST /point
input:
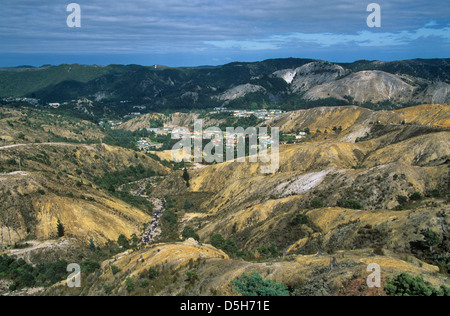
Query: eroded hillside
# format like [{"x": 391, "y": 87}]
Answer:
[{"x": 364, "y": 187}]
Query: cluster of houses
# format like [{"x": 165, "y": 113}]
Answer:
[
  {"x": 260, "y": 114},
  {"x": 146, "y": 144},
  {"x": 216, "y": 137},
  {"x": 31, "y": 101}
]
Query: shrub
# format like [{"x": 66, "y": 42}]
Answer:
[
  {"x": 431, "y": 238},
  {"x": 416, "y": 196},
  {"x": 317, "y": 204},
  {"x": 401, "y": 199},
  {"x": 189, "y": 232},
  {"x": 144, "y": 283},
  {"x": 255, "y": 285},
  {"x": 217, "y": 241},
  {"x": 115, "y": 270},
  {"x": 436, "y": 193},
  {"x": 351, "y": 203},
  {"x": 129, "y": 283},
  {"x": 269, "y": 252},
  {"x": 107, "y": 289},
  {"x": 153, "y": 273},
  {"x": 192, "y": 276},
  {"x": 187, "y": 205},
  {"x": 300, "y": 219},
  {"x": 123, "y": 242},
  {"x": 408, "y": 285},
  {"x": 89, "y": 266}
]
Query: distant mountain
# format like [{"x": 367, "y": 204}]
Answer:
[{"x": 287, "y": 83}]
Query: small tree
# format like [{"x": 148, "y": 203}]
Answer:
[
  {"x": 186, "y": 177},
  {"x": 189, "y": 232},
  {"x": 92, "y": 245},
  {"x": 217, "y": 241},
  {"x": 129, "y": 283},
  {"x": 123, "y": 241},
  {"x": 187, "y": 205},
  {"x": 60, "y": 229},
  {"x": 431, "y": 238}
]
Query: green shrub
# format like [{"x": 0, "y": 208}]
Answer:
[
  {"x": 107, "y": 289},
  {"x": 144, "y": 283},
  {"x": 123, "y": 241},
  {"x": 402, "y": 200},
  {"x": 153, "y": 273},
  {"x": 317, "y": 204},
  {"x": 129, "y": 283},
  {"x": 187, "y": 205},
  {"x": 255, "y": 285},
  {"x": 436, "y": 193},
  {"x": 217, "y": 241},
  {"x": 269, "y": 252},
  {"x": 431, "y": 238},
  {"x": 408, "y": 285},
  {"x": 189, "y": 232},
  {"x": 192, "y": 276},
  {"x": 300, "y": 219},
  {"x": 115, "y": 270},
  {"x": 89, "y": 266},
  {"x": 351, "y": 203},
  {"x": 416, "y": 196}
]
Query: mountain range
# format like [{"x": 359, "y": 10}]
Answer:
[{"x": 285, "y": 83}]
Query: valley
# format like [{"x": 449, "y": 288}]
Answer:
[{"x": 358, "y": 187}]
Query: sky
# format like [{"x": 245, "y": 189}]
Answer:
[{"x": 184, "y": 33}]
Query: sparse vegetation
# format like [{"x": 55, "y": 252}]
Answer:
[
  {"x": 25, "y": 275},
  {"x": 408, "y": 285},
  {"x": 254, "y": 285}
]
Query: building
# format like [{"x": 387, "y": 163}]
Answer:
[{"x": 54, "y": 105}]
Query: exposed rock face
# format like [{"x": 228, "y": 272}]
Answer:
[
  {"x": 240, "y": 91},
  {"x": 365, "y": 86},
  {"x": 314, "y": 74}
]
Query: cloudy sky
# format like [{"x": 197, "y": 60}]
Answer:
[{"x": 213, "y": 32}]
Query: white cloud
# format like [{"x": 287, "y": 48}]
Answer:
[{"x": 362, "y": 38}]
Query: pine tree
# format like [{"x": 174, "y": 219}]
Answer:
[
  {"x": 60, "y": 229},
  {"x": 186, "y": 177},
  {"x": 92, "y": 245}
]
